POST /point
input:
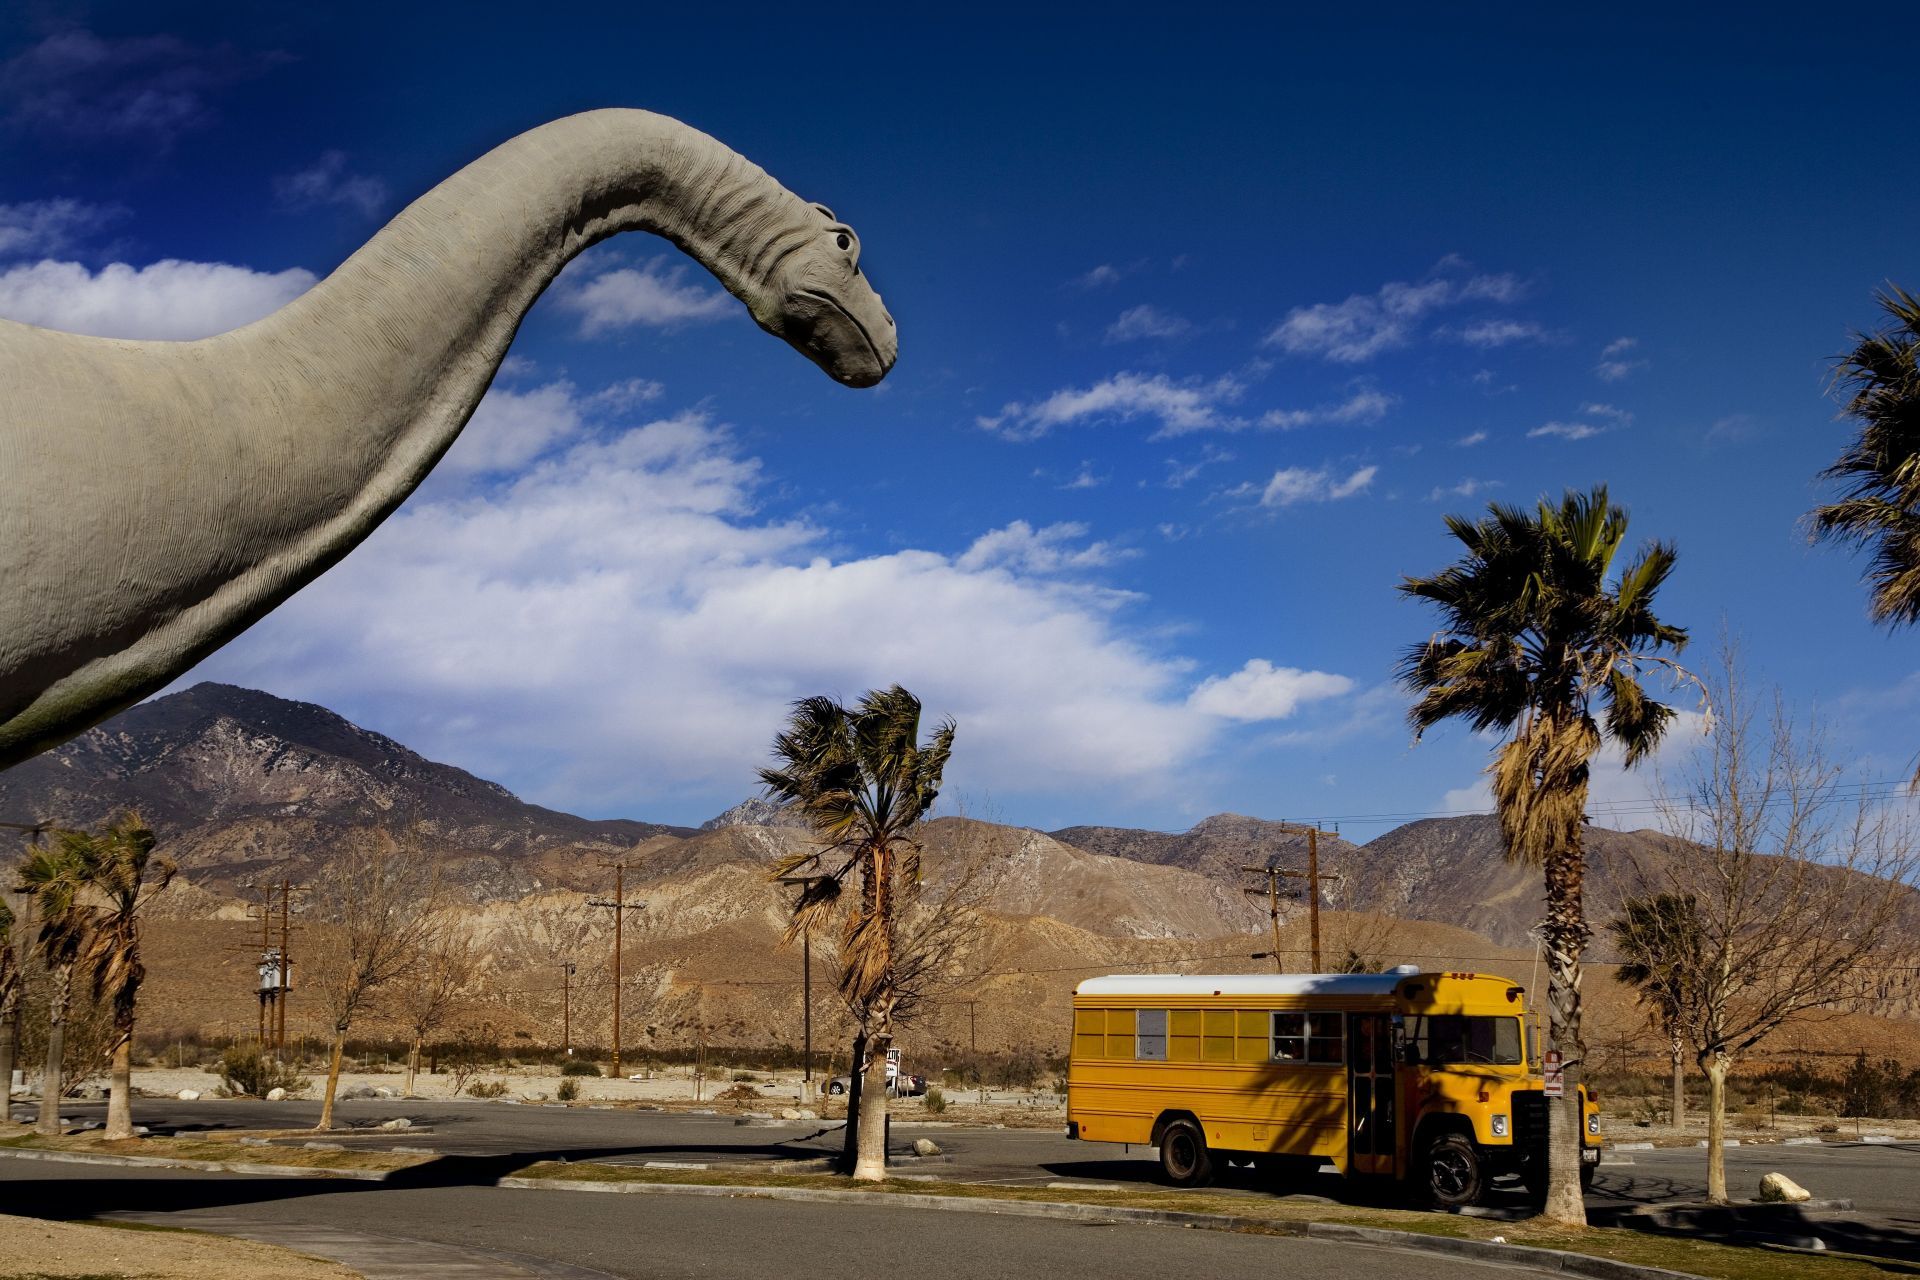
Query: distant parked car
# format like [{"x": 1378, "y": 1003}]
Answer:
[{"x": 898, "y": 1087}]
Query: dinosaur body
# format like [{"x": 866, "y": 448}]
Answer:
[{"x": 161, "y": 497}]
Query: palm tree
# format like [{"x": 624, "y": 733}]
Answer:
[
  {"x": 1660, "y": 940},
  {"x": 120, "y": 870},
  {"x": 863, "y": 781},
  {"x": 55, "y": 876},
  {"x": 1538, "y": 633},
  {"x": 9, "y": 1009},
  {"x": 1880, "y": 470}
]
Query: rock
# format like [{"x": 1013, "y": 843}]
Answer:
[
  {"x": 188, "y": 1095},
  {"x": 1778, "y": 1188},
  {"x": 398, "y": 1122},
  {"x": 808, "y": 1113},
  {"x": 925, "y": 1147},
  {"x": 89, "y": 1093},
  {"x": 276, "y": 1094},
  {"x": 383, "y": 1092},
  {"x": 354, "y": 1093},
  {"x": 790, "y": 1113}
]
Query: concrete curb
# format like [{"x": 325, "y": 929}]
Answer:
[
  {"x": 1573, "y": 1264},
  {"x": 200, "y": 1166}
]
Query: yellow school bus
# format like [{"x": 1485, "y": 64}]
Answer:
[{"x": 1419, "y": 1077}]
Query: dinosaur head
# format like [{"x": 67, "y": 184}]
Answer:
[{"x": 816, "y": 299}]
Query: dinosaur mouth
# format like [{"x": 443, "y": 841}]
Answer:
[{"x": 857, "y": 372}]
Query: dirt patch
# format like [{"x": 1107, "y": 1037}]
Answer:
[
  {"x": 222, "y": 1148},
  {"x": 31, "y": 1248}
]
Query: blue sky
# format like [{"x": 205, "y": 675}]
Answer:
[{"x": 1205, "y": 321}]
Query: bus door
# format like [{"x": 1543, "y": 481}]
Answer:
[{"x": 1370, "y": 1077}]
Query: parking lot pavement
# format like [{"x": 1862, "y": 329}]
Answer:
[{"x": 1883, "y": 1180}]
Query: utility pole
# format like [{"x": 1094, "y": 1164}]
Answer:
[
  {"x": 286, "y": 968},
  {"x": 1272, "y": 894},
  {"x": 806, "y": 992},
  {"x": 566, "y": 1007},
  {"x": 1313, "y": 876},
  {"x": 269, "y": 985},
  {"x": 620, "y": 907}
]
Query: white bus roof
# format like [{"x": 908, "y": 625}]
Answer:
[{"x": 1247, "y": 984}]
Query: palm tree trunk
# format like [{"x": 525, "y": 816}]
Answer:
[
  {"x": 333, "y": 1077},
  {"x": 120, "y": 1091},
  {"x": 856, "y": 1077},
  {"x": 57, "y": 1002},
  {"x": 1716, "y": 1065},
  {"x": 1565, "y": 937},
  {"x": 870, "y": 1155},
  {"x": 1678, "y": 1107},
  {"x": 9, "y": 1041}
]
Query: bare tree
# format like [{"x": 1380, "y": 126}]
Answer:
[
  {"x": 373, "y": 909},
  {"x": 440, "y": 972},
  {"x": 1797, "y": 884}
]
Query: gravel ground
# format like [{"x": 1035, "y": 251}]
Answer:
[{"x": 37, "y": 1247}]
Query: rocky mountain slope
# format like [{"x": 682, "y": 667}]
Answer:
[{"x": 238, "y": 782}]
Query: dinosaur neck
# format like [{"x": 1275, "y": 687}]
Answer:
[{"x": 407, "y": 334}]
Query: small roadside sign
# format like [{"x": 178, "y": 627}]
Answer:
[{"x": 1555, "y": 1072}]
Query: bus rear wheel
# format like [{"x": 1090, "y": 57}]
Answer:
[
  {"x": 1455, "y": 1174},
  {"x": 1184, "y": 1158}
]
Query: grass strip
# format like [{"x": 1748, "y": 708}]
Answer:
[
  {"x": 1284, "y": 1216},
  {"x": 219, "y": 1151}
]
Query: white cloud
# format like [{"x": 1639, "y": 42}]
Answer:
[
  {"x": 617, "y": 628},
  {"x": 1022, "y": 548},
  {"x": 40, "y": 227},
  {"x": 326, "y": 181},
  {"x": 1467, "y": 488},
  {"x": 1261, "y": 691},
  {"x": 1085, "y": 478},
  {"x": 1147, "y": 321},
  {"x": 79, "y": 85},
  {"x": 1180, "y": 473},
  {"x": 1180, "y": 407},
  {"x": 1298, "y": 484},
  {"x": 1617, "y": 361},
  {"x": 1100, "y": 277},
  {"x": 1487, "y": 334},
  {"x": 1366, "y": 324},
  {"x": 166, "y": 299},
  {"x": 1364, "y": 405},
  {"x": 653, "y": 295},
  {"x": 1471, "y": 439},
  {"x": 1565, "y": 431}
]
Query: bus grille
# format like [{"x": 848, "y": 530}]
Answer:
[{"x": 1529, "y": 1119}]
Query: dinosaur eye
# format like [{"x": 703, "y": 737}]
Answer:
[{"x": 844, "y": 240}]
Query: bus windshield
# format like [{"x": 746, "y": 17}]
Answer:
[{"x": 1450, "y": 1038}]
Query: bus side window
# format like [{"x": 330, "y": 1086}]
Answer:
[
  {"x": 1150, "y": 1035},
  {"x": 1289, "y": 1037},
  {"x": 1324, "y": 1038}
]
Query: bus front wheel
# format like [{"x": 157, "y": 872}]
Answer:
[
  {"x": 1184, "y": 1157},
  {"x": 1455, "y": 1175}
]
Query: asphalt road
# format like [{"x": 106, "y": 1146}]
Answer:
[
  {"x": 671, "y": 1237},
  {"x": 482, "y": 1141}
]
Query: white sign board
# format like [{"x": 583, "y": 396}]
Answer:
[{"x": 1556, "y": 1075}]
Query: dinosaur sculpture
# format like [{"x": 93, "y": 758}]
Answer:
[{"x": 161, "y": 497}]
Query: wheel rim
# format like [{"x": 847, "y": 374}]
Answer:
[
  {"x": 1181, "y": 1156},
  {"x": 1452, "y": 1172}
]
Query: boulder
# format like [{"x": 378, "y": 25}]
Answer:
[
  {"x": 188, "y": 1095},
  {"x": 1778, "y": 1188},
  {"x": 398, "y": 1122},
  {"x": 381, "y": 1091},
  {"x": 276, "y": 1094},
  {"x": 925, "y": 1147},
  {"x": 354, "y": 1093},
  {"x": 790, "y": 1113}
]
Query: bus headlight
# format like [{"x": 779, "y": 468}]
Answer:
[
  {"x": 1593, "y": 1124},
  {"x": 1499, "y": 1126}
]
